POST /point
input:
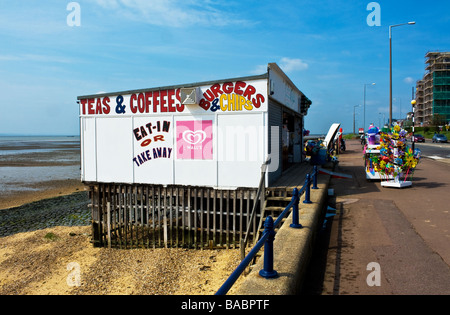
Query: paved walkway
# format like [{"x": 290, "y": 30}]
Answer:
[{"x": 406, "y": 232}]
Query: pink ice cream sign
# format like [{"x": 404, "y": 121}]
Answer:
[{"x": 194, "y": 140}]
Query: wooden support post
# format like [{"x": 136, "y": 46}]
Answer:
[
  {"x": 108, "y": 222},
  {"x": 165, "y": 217}
]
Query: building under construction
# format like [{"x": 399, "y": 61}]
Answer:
[{"x": 433, "y": 91}]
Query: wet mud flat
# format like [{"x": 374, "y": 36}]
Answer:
[
  {"x": 68, "y": 210},
  {"x": 35, "y": 168}
]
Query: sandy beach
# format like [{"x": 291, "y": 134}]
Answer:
[
  {"x": 47, "y": 262},
  {"x": 46, "y": 249}
]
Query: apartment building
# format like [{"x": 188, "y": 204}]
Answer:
[{"x": 433, "y": 91}]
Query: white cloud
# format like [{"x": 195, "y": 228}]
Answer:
[
  {"x": 36, "y": 58},
  {"x": 291, "y": 65},
  {"x": 408, "y": 80},
  {"x": 286, "y": 64},
  {"x": 175, "y": 13},
  {"x": 9, "y": 58},
  {"x": 259, "y": 69}
]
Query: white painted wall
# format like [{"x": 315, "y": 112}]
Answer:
[{"x": 228, "y": 146}]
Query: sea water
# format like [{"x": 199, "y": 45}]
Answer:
[{"x": 28, "y": 161}]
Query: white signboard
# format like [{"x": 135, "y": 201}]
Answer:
[
  {"x": 151, "y": 137},
  {"x": 223, "y": 98}
]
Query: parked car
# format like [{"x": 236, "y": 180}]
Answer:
[
  {"x": 439, "y": 138},
  {"x": 419, "y": 138}
]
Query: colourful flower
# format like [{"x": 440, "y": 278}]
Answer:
[{"x": 398, "y": 161}]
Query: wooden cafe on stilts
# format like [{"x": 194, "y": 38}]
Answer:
[{"x": 190, "y": 165}]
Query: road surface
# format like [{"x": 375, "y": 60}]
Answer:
[
  {"x": 435, "y": 151},
  {"x": 400, "y": 235}
]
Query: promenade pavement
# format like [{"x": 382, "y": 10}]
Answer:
[{"x": 402, "y": 235}]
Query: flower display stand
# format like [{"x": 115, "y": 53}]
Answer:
[
  {"x": 396, "y": 183},
  {"x": 387, "y": 157}
]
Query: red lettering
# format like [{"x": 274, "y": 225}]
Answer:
[
  {"x": 148, "y": 101},
  {"x": 155, "y": 101},
  {"x": 106, "y": 108},
  {"x": 215, "y": 89},
  {"x": 146, "y": 142},
  {"x": 133, "y": 108},
  {"x": 98, "y": 107},
  {"x": 258, "y": 100},
  {"x": 141, "y": 103},
  {"x": 163, "y": 101},
  {"x": 228, "y": 87},
  {"x": 209, "y": 95},
  {"x": 249, "y": 91},
  {"x": 170, "y": 100},
  {"x": 180, "y": 107},
  {"x": 204, "y": 104},
  {"x": 91, "y": 110},
  {"x": 83, "y": 103},
  {"x": 238, "y": 87}
]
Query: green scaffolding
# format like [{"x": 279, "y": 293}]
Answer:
[{"x": 441, "y": 93}]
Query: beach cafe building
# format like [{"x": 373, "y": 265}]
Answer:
[{"x": 185, "y": 165}]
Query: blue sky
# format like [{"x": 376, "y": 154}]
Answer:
[{"x": 325, "y": 47}]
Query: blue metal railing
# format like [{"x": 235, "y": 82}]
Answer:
[{"x": 269, "y": 235}]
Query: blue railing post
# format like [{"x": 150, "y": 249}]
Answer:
[
  {"x": 316, "y": 173},
  {"x": 295, "y": 224},
  {"x": 268, "y": 271},
  {"x": 307, "y": 189}
]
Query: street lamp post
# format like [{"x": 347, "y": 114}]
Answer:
[
  {"x": 413, "y": 103},
  {"x": 384, "y": 119},
  {"x": 390, "y": 68},
  {"x": 365, "y": 103},
  {"x": 354, "y": 118}
]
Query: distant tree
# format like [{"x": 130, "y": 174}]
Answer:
[
  {"x": 437, "y": 120},
  {"x": 407, "y": 124}
]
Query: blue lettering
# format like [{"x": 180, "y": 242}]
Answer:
[
  {"x": 215, "y": 105},
  {"x": 161, "y": 152},
  {"x": 120, "y": 109}
]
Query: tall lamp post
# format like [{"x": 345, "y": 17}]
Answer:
[
  {"x": 365, "y": 103},
  {"x": 384, "y": 119},
  {"x": 390, "y": 68},
  {"x": 354, "y": 118},
  {"x": 413, "y": 103}
]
